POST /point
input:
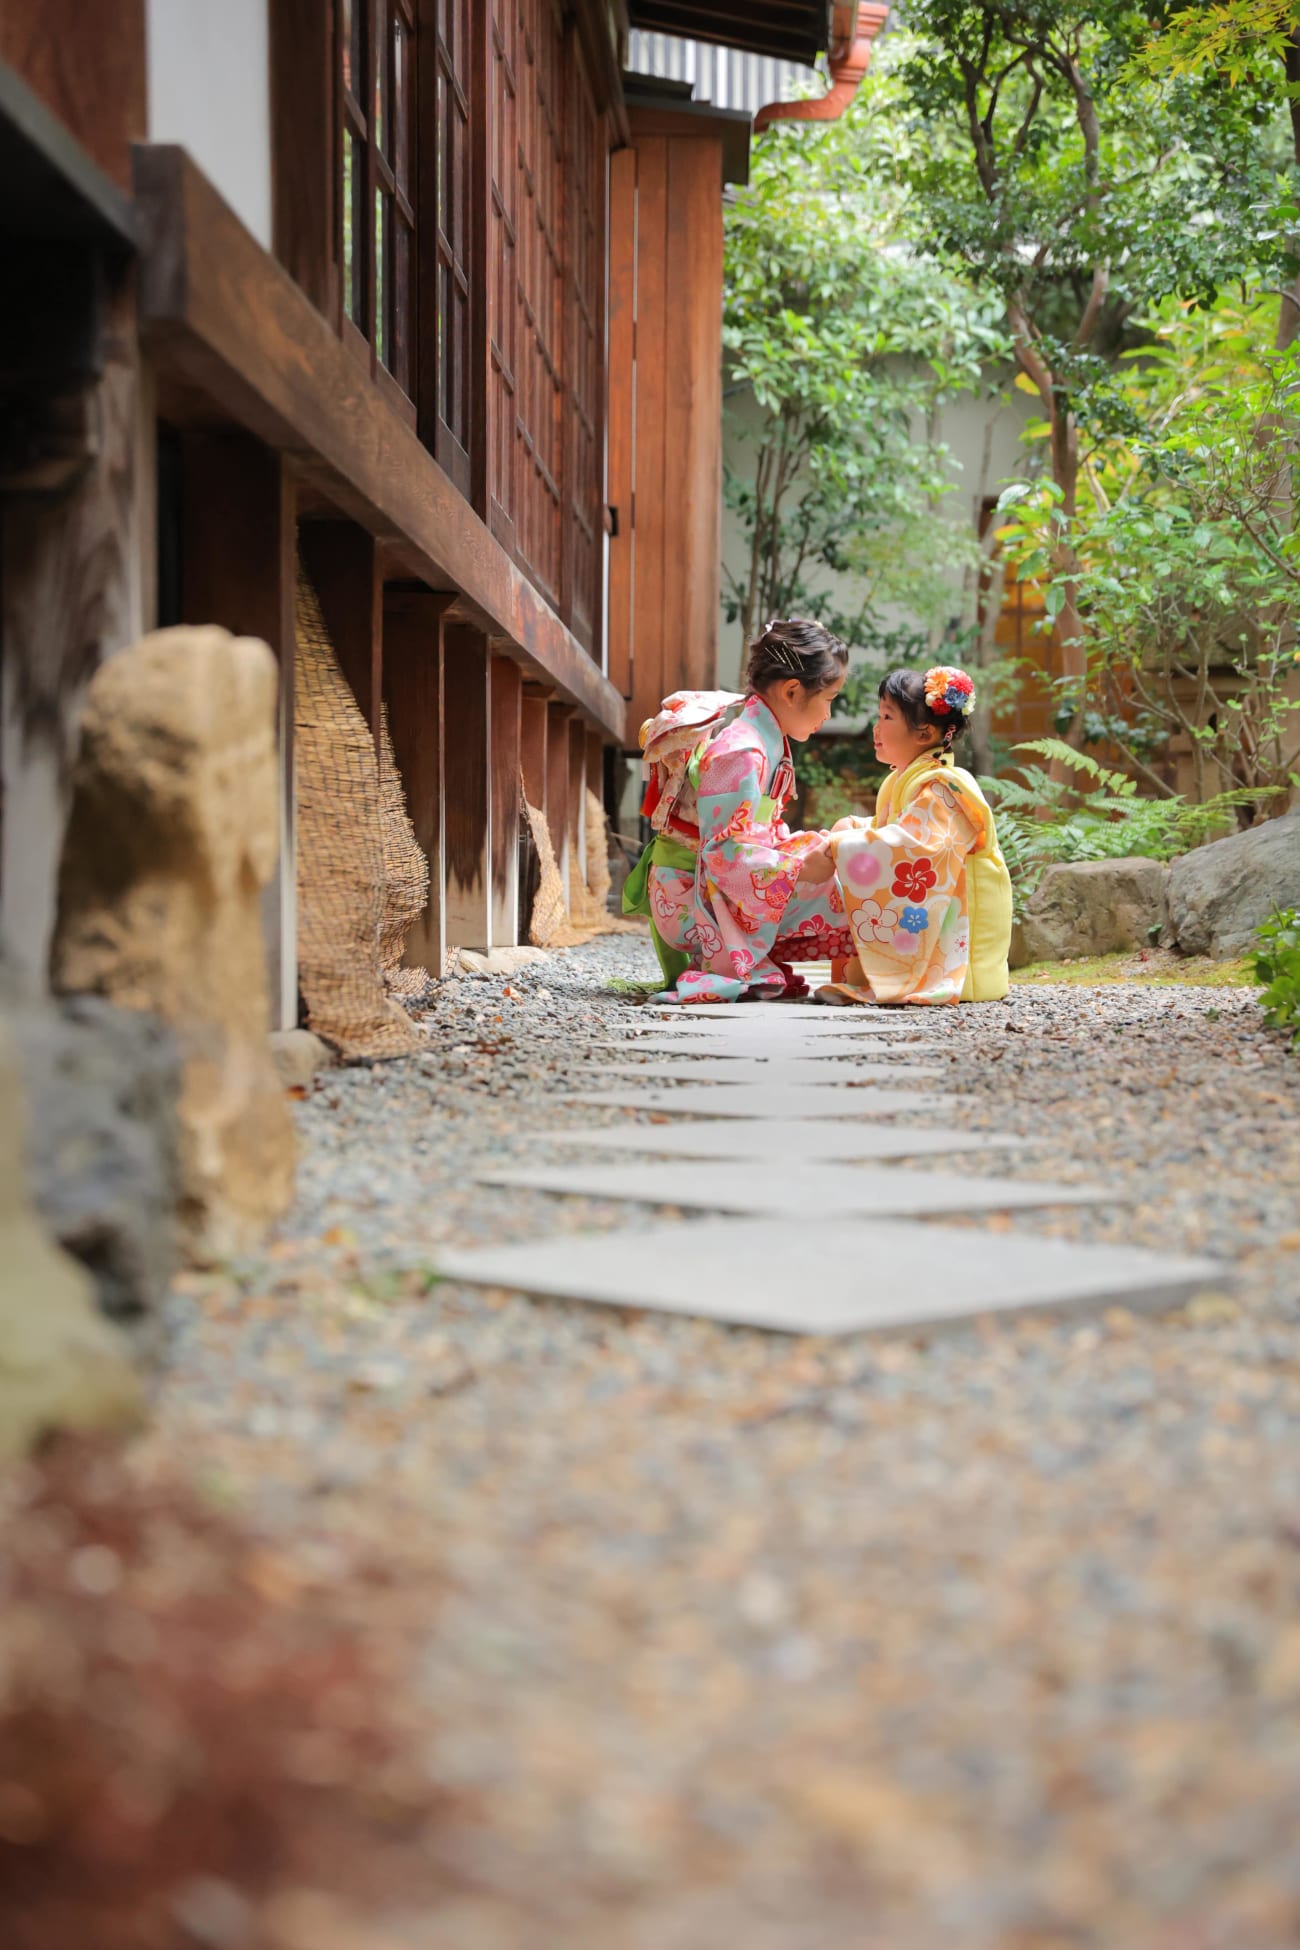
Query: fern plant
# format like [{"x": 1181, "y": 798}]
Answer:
[
  {"x": 1277, "y": 963},
  {"x": 1042, "y": 820}
]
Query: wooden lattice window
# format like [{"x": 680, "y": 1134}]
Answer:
[
  {"x": 377, "y": 136},
  {"x": 503, "y": 275},
  {"x": 451, "y": 251},
  {"x": 584, "y": 460},
  {"x": 538, "y": 422}
]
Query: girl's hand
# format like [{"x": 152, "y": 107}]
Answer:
[
  {"x": 849, "y": 825},
  {"x": 817, "y": 866}
]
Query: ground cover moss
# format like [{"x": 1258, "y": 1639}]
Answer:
[{"x": 1147, "y": 968}]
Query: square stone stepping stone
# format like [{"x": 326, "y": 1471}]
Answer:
[
  {"x": 778, "y": 1141},
  {"x": 768, "y": 1100},
  {"x": 760, "y": 1049},
  {"x": 754, "y": 1011},
  {"x": 813, "y": 1190},
  {"x": 776, "y": 1069},
  {"x": 842, "y": 1276}
]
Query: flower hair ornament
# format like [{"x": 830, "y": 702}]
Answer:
[{"x": 949, "y": 691}]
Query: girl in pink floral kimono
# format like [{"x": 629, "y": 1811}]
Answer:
[{"x": 733, "y": 896}]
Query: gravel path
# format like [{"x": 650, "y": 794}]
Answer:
[{"x": 987, "y": 1640}]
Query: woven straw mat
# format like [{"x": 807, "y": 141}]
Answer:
[{"x": 348, "y": 842}]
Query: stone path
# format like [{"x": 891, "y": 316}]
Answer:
[
  {"x": 782, "y": 1273},
  {"x": 984, "y": 1638}
]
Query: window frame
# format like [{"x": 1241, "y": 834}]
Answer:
[{"x": 388, "y": 187}]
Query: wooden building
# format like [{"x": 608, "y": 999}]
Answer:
[{"x": 423, "y": 294}]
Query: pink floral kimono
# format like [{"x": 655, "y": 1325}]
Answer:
[{"x": 739, "y": 915}]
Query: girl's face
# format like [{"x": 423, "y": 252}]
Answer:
[
  {"x": 799, "y": 712},
  {"x": 897, "y": 745}
]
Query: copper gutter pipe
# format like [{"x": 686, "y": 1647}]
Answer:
[{"x": 849, "y": 58}]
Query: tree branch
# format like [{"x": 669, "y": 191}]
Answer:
[{"x": 1093, "y": 309}]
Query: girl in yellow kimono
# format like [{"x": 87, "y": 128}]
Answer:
[{"x": 925, "y": 887}]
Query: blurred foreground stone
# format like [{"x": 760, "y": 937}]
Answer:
[
  {"x": 102, "y": 1088},
  {"x": 172, "y": 837},
  {"x": 61, "y": 1365}
]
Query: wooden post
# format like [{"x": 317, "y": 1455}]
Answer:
[
  {"x": 342, "y": 562},
  {"x": 239, "y": 568},
  {"x": 506, "y": 729},
  {"x": 466, "y": 793},
  {"x": 578, "y": 796},
  {"x": 596, "y": 764},
  {"x": 557, "y": 788},
  {"x": 413, "y": 629},
  {"x": 532, "y": 748},
  {"x": 70, "y": 594}
]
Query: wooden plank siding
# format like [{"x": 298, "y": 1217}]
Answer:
[
  {"x": 88, "y": 65},
  {"x": 669, "y": 553},
  {"x": 515, "y": 106},
  {"x": 620, "y": 454},
  {"x": 231, "y": 336}
]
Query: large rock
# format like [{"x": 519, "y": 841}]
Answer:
[
  {"x": 1093, "y": 907},
  {"x": 1219, "y": 894},
  {"x": 62, "y": 1366},
  {"x": 103, "y": 1085},
  {"x": 172, "y": 836}
]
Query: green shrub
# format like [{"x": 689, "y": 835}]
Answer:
[
  {"x": 1042, "y": 820},
  {"x": 1277, "y": 963}
]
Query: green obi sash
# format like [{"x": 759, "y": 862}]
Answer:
[{"x": 661, "y": 852}]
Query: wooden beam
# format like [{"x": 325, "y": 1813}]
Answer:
[
  {"x": 467, "y": 792},
  {"x": 557, "y": 787},
  {"x": 412, "y": 683},
  {"x": 340, "y": 559},
  {"x": 506, "y": 727},
  {"x": 229, "y": 330},
  {"x": 239, "y": 569}
]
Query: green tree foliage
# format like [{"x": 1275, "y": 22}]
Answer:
[
  {"x": 1186, "y": 562},
  {"x": 1238, "y": 42},
  {"x": 1084, "y": 193},
  {"x": 841, "y": 346}
]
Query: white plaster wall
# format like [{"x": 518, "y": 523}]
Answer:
[
  {"x": 209, "y": 91},
  {"x": 963, "y": 427}
]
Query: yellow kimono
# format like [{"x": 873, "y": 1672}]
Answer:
[{"x": 926, "y": 891}]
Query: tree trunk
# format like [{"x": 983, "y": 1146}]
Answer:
[
  {"x": 1069, "y": 622},
  {"x": 1288, "y": 322}
]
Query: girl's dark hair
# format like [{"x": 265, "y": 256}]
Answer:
[
  {"x": 906, "y": 689},
  {"x": 798, "y": 648}
]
